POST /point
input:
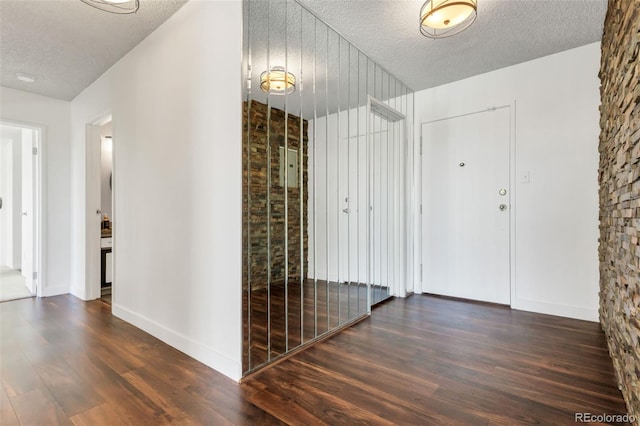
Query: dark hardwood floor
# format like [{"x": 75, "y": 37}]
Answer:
[{"x": 421, "y": 360}]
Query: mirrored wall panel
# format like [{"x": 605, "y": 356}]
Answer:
[{"x": 326, "y": 178}]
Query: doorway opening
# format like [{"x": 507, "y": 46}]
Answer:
[
  {"x": 20, "y": 211},
  {"x": 100, "y": 210}
]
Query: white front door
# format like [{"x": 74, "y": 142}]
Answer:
[
  {"x": 466, "y": 200},
  {"x": 27, "y": 208}
]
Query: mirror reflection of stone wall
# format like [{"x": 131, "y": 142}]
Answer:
[
  {"x": 273, "y": 225},
  {"x": 325, "y": 177}
]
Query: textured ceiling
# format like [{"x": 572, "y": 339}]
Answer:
[
  {"x": 506, "y": 32},
  {"x": 66, "y": 45}
]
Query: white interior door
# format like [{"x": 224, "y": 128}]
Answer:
[
  {"x": 466, "y": 200},
  {"x": 353, "y": 209},
  {"x": 27, "y": 209},
  {"x": 93, "y": 212}
]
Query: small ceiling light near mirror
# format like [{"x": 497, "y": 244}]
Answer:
[
  {"x": 25, "y": 78},
  {"x": 277, "y": 82},
  {"x": 444, "y": 18},
  {"x": 121, "y": 7}
]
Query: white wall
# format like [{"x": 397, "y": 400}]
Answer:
[
  {"x": 6, "y": 192},
  {"x": 176, "y": 108},
  {"x": 53, "y": 116},
  {"x": 556, "y": 98},
  {"x": 11, "y": 192}
]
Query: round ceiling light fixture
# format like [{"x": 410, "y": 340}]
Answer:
[
  {"x": 277, "y": 81},
  {"x": 445, "y": 18},
  {"x": 25, "y": 78},
  {"x": 120, "y": 7}
]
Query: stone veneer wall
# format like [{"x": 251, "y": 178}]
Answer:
[
  {"x": 619, "y": 178},
  {"x": 255, "y": 197}
]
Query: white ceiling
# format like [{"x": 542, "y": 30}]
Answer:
[
  {"x": 506, "y": 32},
  {"x": 67, "y": 44}
]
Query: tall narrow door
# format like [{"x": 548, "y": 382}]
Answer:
[
  {"x": 27, "y": 146},
  {"x": 466, "y": 201}
]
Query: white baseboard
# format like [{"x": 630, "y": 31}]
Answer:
[
  {"x": 55, "y": 291},
  {"x": 219, "y": 362},
  {"x": 576, "y": 312},
  {"x": 79, "y": 292}
]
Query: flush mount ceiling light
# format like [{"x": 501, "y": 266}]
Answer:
[
  {"x": 277, "y": 82},
  {"x": 444, "y": 18},
  {"x": 25, "y": 78},
  {"x": 121, "y": 7}
]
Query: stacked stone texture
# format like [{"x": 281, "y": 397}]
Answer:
[
  {"x": 619, "y": 178},
  {"x": 257, "y": 192}
]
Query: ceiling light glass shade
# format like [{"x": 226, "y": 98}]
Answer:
[
  {"x": 444, "y": 18},
  {"x": 121, "y": 7},
  {"x": 277, "y": 82},
  {"x": 25, "y": 78}
]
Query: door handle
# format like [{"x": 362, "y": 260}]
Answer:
[
  {"x": 98, "y": 211},
  {"x": 502, "y": 207},
  {"x": 346, "y": 210},
  {"x": 24, "y": 213}
]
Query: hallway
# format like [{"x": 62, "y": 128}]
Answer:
[{"x": 12, "y": 286}]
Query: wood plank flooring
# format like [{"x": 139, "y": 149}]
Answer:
[{"x": 421, "y": 360}]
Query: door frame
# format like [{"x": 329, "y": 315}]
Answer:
[
  {"x": 39, "y": 201},
  {"x": 512, "y": 207},
  {"x": 92, "y": 205}
]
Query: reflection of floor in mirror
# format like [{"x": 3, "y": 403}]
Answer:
[
  {"x": 335, "y": 305},
  {"x": 12, "y": 285}
]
